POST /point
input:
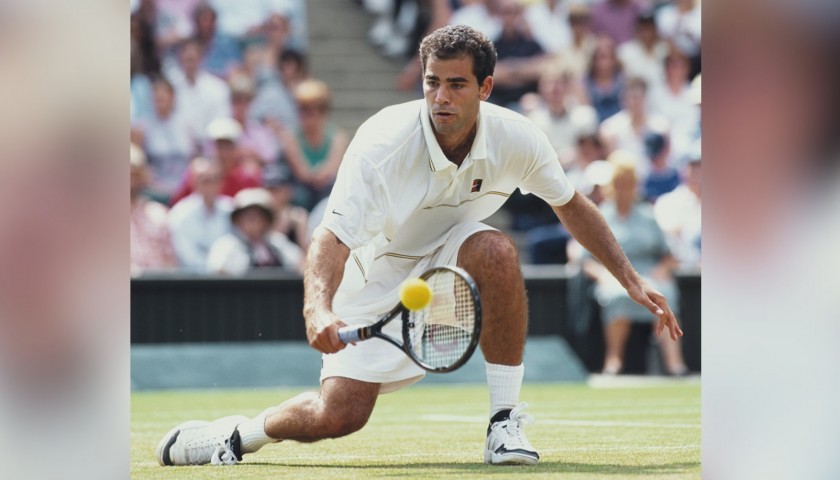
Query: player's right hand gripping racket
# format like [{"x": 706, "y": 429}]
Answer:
[{"x": 440, "y": 337}]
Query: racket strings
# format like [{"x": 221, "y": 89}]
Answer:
[{"x": 444, "y": 330}]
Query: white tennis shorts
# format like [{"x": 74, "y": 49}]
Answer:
[{"x": 370, "y": 289}]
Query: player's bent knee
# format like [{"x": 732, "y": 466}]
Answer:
[{"x": 489, "y": 245}]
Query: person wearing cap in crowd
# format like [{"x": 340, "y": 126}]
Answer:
[
  {"x": 662, "y": 177},
  {"x": 150, "y": 245},
  {"x": 678, "y": 214},
  {"x": 253, "y": 243},
  {"x": 200, "y": 218},
  {"x": 236, "y": 173},
  {"x": 258, "y": 141},
  {"x": 644, "y": 243},
  {"x": 289, "y": 219},
  {"x": 315, "y": 150}
]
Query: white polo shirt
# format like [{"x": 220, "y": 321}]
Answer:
[{"x": 397, "y": 195}]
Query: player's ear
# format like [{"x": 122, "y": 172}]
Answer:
[{"x": 485, "y": 88}]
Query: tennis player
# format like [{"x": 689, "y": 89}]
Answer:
[{"x": 414, "y": 186}]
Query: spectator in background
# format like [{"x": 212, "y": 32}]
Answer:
[
  {"x": 202, "y": 97},
  {"x": 643, "y": 242},
  {"x": 275, "y": 32},
  {"x": 315, "y": 150},
  {"x": 549, "y": 23},
  {"x": 290, "y": 220},
  {"x": 616, "y": 18},
  {"x": 627, "y": 129},
  {"x": 252, "y": 243},
  {"x": 201, "y": 218},
  {"x": 678, "y": 214},
  {"x": 141, "y": 88},
  {"x": 520, "y": 58},
  {"x": 675, "y": 101},
  {"x": 588, "y": 149},
  {"x": 221, "y": 53},
  {"x": 258, "y": 141},
  {"x": 478, "y": 14},
  {"x": 167, "y": 139},
  {"x": 145, "y": 65},
  {"x": 605, "y": 80},
  {"x": 662, "y": 177},
  {"x": 578, "y": 54},
  {"x": 643, "y": 56},
  {"x": 274, "y": 102},
  {"x": 150, "y": 245},
  {"x": 679, "y": 22},
  {"x": 558, "y": 114},
  {"x": 170, "y": 20},
  {"x": 236, "y": 174}
]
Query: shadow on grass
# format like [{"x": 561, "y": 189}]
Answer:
[{"x": 541, "y": 468}]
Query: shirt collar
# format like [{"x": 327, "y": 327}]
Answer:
[{"x": 438, "y": 160}]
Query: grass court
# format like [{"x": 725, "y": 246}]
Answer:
[{"x": 437, "y": 431}]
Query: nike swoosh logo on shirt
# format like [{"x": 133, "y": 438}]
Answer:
[{"x": 340, "y": 214}]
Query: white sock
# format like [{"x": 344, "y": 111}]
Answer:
[
  {"x": 253, "y": 434},
  {"x": 504, "y": 383}
]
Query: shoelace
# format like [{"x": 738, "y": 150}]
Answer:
[
  {"x": 223, "y": 455},
  {"x": 220, "y": 452},
  {"x": 517, "y": 418}
]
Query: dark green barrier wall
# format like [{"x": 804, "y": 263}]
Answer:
[{"x": 172, "y": 309}]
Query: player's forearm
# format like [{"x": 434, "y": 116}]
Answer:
[
  {"x": 323, "y": 273},
  {"x": 586, "y": 224}
]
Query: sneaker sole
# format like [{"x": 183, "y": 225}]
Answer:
[
  {"x": 162, "y": 452},
  {"x": 508, "y": 458}
]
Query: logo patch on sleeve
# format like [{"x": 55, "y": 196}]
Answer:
[{"x": 476, "y": 186}]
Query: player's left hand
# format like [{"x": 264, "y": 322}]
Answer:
[{"x": 654, "y": 301}]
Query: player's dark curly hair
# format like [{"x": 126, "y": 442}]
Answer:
[{"x": 456, "y": 40}]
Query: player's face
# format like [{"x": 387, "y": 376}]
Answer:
[{"x": 453, "y": 94}]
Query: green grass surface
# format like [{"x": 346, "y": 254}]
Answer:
[{"x": 438, "y": 432}]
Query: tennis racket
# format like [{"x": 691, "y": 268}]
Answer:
[{"x": 440, "y": 337}]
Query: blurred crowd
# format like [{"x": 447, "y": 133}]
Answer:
[
  {"x": 233, "y": 149},
  {"x": 232, "y": 145}
]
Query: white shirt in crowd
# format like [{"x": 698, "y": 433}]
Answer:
[
  {"x": 476, "y": 16},
  {"x": 678, "y": 215},
  {"x": 683, "y": 116},
  {"x": 550, "y": 28},
  {"x": 194, "y": 228},
  {"x": 563, "y": 131},
  {"x": 201, "y": 102},
  {"x": 682, "y": 28},
  {"x": 229, "y": 254},
  {"x": 639, "y": 62},
  {"x": 619, "y": 132}
]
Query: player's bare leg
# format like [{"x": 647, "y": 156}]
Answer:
[
  {"x": 492, "y": 260},
  {"x": 615, "y": 340},
  {"x": 342, "y": 406}
]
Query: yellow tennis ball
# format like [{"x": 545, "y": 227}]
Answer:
[{"x": 415, "y": 294}]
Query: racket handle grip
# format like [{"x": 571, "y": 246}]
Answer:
[{"x": 350, "y": 334}]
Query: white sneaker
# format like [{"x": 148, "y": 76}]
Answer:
[
  {"x": 200, "y": 443},
  {"x": 506, "y": 442}
]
